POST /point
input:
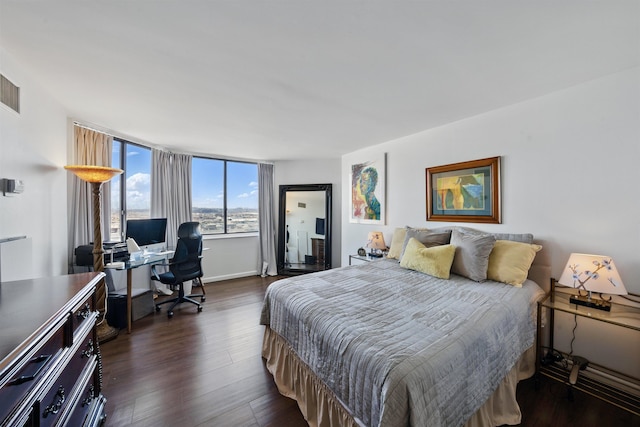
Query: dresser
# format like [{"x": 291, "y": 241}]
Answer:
[
  {"x": 317, "y": 249},
  {"x": 50, "y": 366}
]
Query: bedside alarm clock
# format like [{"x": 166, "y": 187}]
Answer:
[{"x": 362, "y": 252}]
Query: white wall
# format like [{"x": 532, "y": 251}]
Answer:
[
  {"x": 321, "y": 171},
  {"x": 230, "y": 257},
  {"x": 569, "y": 175},
  {"x": 33, "y": 148},
  {"x": 303, "y": 219}
]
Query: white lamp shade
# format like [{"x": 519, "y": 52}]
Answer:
[
  {"x": 593, "y": 273},
  {"x": 376, "y": 240}
]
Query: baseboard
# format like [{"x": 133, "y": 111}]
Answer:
[{"x": 230, "y": 276}]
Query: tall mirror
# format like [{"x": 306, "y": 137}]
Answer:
[{"x": 304, "y": 232}]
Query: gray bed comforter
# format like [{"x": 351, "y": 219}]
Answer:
[{"x": 399, "y": 347}]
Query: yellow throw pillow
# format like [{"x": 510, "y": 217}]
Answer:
[
  {"x": 509, "y": 261},
  {"x": 435, "y": 261},
  {"x": 397, "y": 241}
]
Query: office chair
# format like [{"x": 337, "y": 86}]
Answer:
[{"x": 185, "y": 265}]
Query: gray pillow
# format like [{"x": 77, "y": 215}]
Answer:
[
  {"x": 524, "y": 238},
  {"x": 426, "y": 237},
  {"x": 472, "y": 254}
]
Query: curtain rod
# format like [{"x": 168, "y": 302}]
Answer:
[{"x": 96, "y": 128}]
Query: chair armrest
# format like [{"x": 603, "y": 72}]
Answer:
[{"x": 154, "y": 273}]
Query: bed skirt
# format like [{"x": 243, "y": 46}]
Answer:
[{"x": 321, "y": 408}]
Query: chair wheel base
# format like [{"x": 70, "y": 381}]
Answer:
[
  {"x": 199, "y": 308},
  {"x": 170, "y": 314}
]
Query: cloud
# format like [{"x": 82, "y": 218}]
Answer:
[{"x": 139, "y": 191}]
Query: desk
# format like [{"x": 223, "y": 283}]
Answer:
[{"x": 149, "y": 259}]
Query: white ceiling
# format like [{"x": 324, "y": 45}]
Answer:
[{"x": 269, "y": 80}]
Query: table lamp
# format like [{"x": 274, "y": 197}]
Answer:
[
  {"x": 96, "y": 175},
  {"x": 376, "y": 244},
  {"x": 592, "y": 273}
]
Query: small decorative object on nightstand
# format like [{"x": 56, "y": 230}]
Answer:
[
  {"x": 376, "y": 244},
  {"x": 362, "y": 252}
]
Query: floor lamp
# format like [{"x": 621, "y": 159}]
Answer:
[{"x": 96, "y": 175}]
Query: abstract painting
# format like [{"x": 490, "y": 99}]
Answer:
[
  {"x": 464, "y": 192},
  {"x": 368, "y": 183}
]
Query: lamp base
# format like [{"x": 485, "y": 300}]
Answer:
[
  {"x": 105, "y": 332},
  {"x": 598, "y": 304}
]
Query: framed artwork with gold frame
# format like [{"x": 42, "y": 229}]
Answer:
[{"x": 465, "y": 192}]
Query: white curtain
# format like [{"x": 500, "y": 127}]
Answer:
[
  {"x": 267, "y": 228},
  {"x": 171, "y": 190},
  {"x": 91, "y": 148}
]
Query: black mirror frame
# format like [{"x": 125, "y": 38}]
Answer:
[{"x": 282, "y": 213}]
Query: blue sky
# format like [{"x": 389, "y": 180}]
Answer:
[{"x": 207, "y": 182}]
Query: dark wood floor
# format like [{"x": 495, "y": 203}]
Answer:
[{"x": 205, "y": 369}]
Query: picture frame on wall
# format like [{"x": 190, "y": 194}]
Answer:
[
  {"x": 465, "y": 192},
  {"x": 368, "y": 186}
]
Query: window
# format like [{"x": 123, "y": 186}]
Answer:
[
  {"x": 134, "y": 184},
  {"x": 224, "y": 195}
]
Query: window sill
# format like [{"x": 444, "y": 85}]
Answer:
[{"x": 229, "y": 236}]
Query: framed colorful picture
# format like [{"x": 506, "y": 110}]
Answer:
[
  {"x": 465, "y": 192},
  {"x": 368, "y": 182}
]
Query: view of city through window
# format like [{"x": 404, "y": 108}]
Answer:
[
  {"x": 208, "y": 195},
  {"x": 208, "y": 192}
]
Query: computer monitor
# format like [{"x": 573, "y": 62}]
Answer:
[
  {"x": 320, "y": 226},
  {"x": 149, "y": 234}
]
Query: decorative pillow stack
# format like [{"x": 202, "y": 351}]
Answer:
[
  {"x": 466, "y": 252},
  {"x": 397, "y": 242},
  {"x": 510, "y": 261},
  {"x": 472, "y": 253},
  {"x": 434, "y": 261},
  {"x": 426, "y": 237}
]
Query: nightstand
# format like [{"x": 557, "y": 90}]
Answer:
[
  {"x": 364, "y": 258},
  {"x": 556, "y": 365}
]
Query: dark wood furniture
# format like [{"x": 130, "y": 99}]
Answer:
[
  {"x": 317, "y": 249},
  {"x": 50, "y": 367}
]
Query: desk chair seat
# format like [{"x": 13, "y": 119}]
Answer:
[{"x": 185, "y": 265}]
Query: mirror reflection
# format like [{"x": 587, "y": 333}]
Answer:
[{"x": 305, "y": 228}]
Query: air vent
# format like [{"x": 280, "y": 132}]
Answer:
[{"x": 9, "y": 94}]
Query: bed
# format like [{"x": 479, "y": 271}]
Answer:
[{"x": 384, "y": 344}]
